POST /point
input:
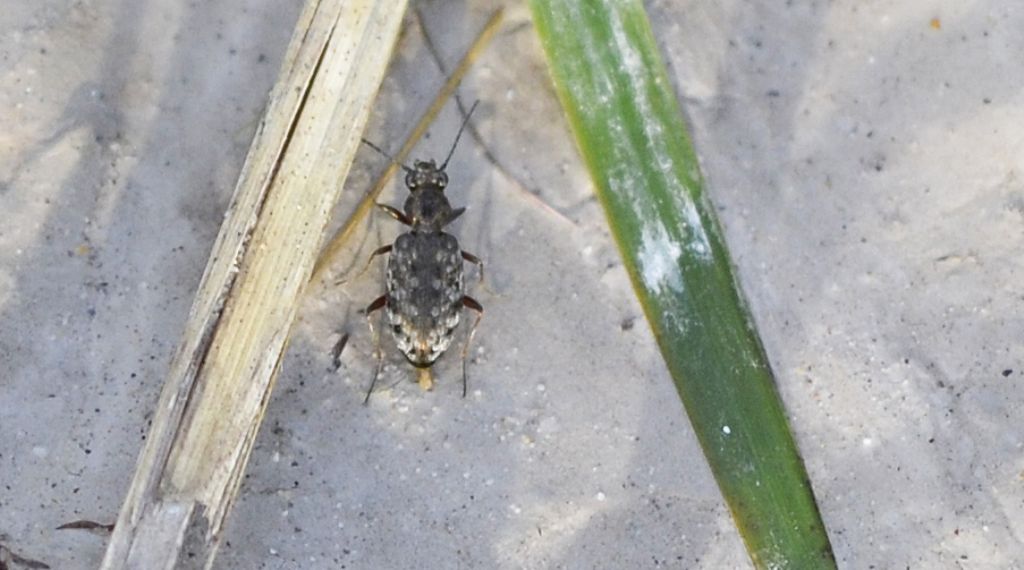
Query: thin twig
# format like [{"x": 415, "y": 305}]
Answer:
[{"x": 87, "y": 525}]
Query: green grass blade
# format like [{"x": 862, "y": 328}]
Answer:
[{"x": 616, "y": 94}]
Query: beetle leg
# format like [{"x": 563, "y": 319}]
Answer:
[
  {"x": 480, "y": 268},
  {"x": 336, "y": 351},
  {"x": 475, "y": 260},
  {"x": 379, "y": 251},
  {"x": 469, "y": 303},
  {"x": 377, "y": 303},
  {"x": 395, "y": 213},
  {"x": 455, "y": 214}
]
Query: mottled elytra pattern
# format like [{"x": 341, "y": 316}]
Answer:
[
  {"x": 424, "y": 287},
  {"x": 424, "y": 284}
]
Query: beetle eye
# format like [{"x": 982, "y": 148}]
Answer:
[{"x": 442, "y": 180}]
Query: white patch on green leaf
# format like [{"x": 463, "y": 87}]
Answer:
[
  {"x": 659, "y": 260},
  {"x": 633, "y": 65},
  {"x": 699, "y": 244}
]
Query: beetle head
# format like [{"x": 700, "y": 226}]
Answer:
[{"x": 425, "y": 174}]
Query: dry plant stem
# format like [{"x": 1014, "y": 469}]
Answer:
[
  {"x": 341, "y": 237},
  {"x": 221, "y": 377}
]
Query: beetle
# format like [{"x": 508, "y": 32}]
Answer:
[{"x": 424, "y": 285}]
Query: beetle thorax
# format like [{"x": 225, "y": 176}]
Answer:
[{"x": 428, "y": 209}]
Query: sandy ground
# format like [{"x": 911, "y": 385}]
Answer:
[{"x": 866, "y": 160}]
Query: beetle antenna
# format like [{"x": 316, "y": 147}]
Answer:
[
  {"x": 461, "y": 128},
  {"x": 391, "y": 158}
]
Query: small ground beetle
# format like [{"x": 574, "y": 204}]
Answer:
[{"x": 424, "y": 294}]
